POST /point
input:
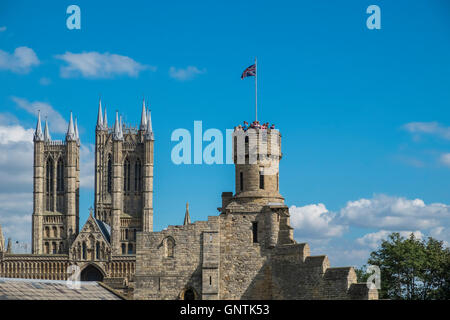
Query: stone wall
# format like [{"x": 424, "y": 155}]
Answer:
[
  {"x": 170, "y": 261},
  {"x": 221, "y": 259}
]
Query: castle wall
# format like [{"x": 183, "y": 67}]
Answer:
[{"x": 165, "y": 274}]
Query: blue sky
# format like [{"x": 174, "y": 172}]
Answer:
[{"x": 364, "y": 114}]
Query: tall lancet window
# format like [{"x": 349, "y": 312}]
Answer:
[
  {"x": 109, "y": 174},
  {"x": 60, "y": 176},
  {"x": 126, "y": 175},
  {"x": 49, "y": 185},
  {"x": 137, "y": 175}
]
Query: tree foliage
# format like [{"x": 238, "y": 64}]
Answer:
[{"x": 411, "y": 269}]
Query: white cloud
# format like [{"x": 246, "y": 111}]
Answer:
[
  {"x": 2, "y": 29},
  {"x": 373, "y": 240},
  {"x": 394, "y": 213},
  {"x": 16, "y": 176},
  {"x": 21, "y": 61},
  {"x": 338, "y": 234},
  {"x": 16, "y": 159},
  {"x": 55, "y": 121},
  {"x": 187, "y": 73},
  {"x": 99, "y": 65},
  {"x": 45, "y": 81},
  {"x": 15, "y": 133},
  {"x": 433, "y": 128},
  {"x": 87, "y": 163},
  {"x": 314, "y": 221},
  {"x": 445, "y": 159}
]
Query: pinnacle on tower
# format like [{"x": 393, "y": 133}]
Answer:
[
  {"x": 2, "y": 240},
  {"x": 143, "y": 117},
  {"x": 117, "y": 130},
  {"x": 77, "y": 137},
  {"x": 149, "y": 134},
  {"x": 187, "y": 218},
  {"x": 38, "y": 136},
  {"x": 70, "y": 136},
  {"x": 47, "y": 136},
  {"x": 99, "y": 116},
  {"x": 9, "y": 247},
  {"x": 105, "y": 120},
  {"x": 121, "y": 127}
]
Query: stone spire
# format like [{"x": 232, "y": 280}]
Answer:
[
  {"x": 38, "y": 136},
  {"x": 9, "y": 247},
  {"x": 121, "y": 127},
  {"x": 2, "y": 240},
  {"x": 77, "y": 137},
  {"x": 70, "y": 136},
  {"x": 149, "y": 134},
  {"x": 143, "y": 117},
  {"x": 47, "y": 136},
  {"x": 105, "y": 120},
  {"x": 100, "y": 125},
  {"x": 187, "y": 218},
  {"x": 117, "y": 130}
]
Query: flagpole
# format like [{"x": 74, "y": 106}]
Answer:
[{"x": 256, "y": 90}]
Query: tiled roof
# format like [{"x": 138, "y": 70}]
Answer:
[
  {"x": 33, "y": 289},
  {"x": 105, "y": 229}
]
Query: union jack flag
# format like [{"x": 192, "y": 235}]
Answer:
[{"x": 249, "y": 72}]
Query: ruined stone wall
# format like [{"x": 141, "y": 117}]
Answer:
[{"x": 169, "y": 262}]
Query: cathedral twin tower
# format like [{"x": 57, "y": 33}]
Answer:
[{"x": 123, "y": 184}]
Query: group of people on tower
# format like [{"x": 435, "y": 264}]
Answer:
[{"x": 255, "y": 125}]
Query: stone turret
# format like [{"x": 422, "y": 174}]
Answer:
[
  {"x": 117, "y": 185},
  {"x": 257, "y": 153},
  {"x": 148, "y": 177},
  {"x": 187, "y": 218},
  {"x": 72, "y": 161},
  {"x": 38, "y": 191}
]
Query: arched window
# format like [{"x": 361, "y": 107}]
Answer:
[
  {"x": 54, "y": 248},
  {"x": 60, "y": 176},
  {"x": 109, "y": 174},
  {"x": 97, "y": 250},
  {"x": 61, "y": 232},
  {"x": 170, "y": 247},
  {"x": 189, "y": 294},
  {"x": 124, "y": 248},
  {"x": 47, "y": 248},
  {"x": 241, "y": 180},
  {"x": 49, "y": 184},
  {"x": 61, "y": 247},
  {"x": 126, "y": 234},
  {"x": 84, "y": 251},
  {"x": 137, "y": 175},
  {"x": 130, "y": 248},
  {"x": 126, "y": 175},
  {"x": 47, "y": 232},
  {"x": 261, "y": 179},
  {"x": 55, "y": 232}
]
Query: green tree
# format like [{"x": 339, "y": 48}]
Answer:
[{"x": 411, "y": 269}]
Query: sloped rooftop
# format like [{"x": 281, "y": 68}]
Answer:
[{"x": 33, "y": 289}]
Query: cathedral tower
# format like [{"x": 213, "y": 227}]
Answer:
[
  {"x": 56, "y": 190},
  {"x": 124, "y": 178}
]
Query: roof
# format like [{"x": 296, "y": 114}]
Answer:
[
  {"x": 33, "y": 289},
  {"x": 105, "y": 229}
]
